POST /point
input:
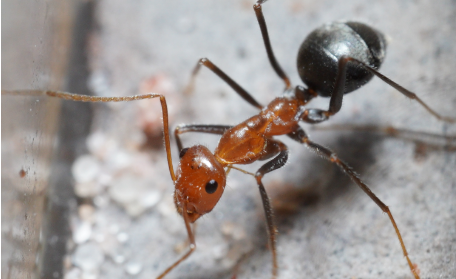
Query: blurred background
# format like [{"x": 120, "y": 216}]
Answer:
[{"x": 86, "y": 191}]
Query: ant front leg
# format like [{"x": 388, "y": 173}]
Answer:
[
  {"x": 333, "y": 158},
  {"x": 278, "y": 162},
  {"x": 199, "y": 128},
  {"x": 216, "y": 70},
  {"x": 267, "y": 44},
  {"x": 335, "y": 103},
  {"x": 191, "y": 239}
]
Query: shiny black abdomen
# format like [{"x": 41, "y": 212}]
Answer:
[{"x": 319, "y": 54}]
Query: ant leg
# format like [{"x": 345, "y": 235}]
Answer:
[
  {"x": 267, "y": 44},
  {"x": 191, "y": 239},
  {"x": 332, "y": 157},
  {"x": 278, "y": 162},
  {"x": 298, "y": 134},
  {"x": 199, "y": 128},
  {"x": 236, "y": 87},
  {"x": 335, "y": 103},
  {"x": 402, "y": 90},
  {"x": 94, "y": 99},
  {"x": 447, "y": 142}
]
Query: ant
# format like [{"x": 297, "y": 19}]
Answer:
[{"x": 333, "y": 60}]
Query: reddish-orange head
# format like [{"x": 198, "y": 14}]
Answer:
[{"x": 200, "y": 182}]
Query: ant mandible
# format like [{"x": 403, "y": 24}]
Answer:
[{"x": 333, "y": 60}]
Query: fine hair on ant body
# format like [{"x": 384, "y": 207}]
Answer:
[{"x": 333, "y": 60}]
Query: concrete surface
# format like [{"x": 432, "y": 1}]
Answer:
[{"x": 328, "y": 228}]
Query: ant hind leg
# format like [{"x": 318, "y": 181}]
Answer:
[
  {"x": 431, "y": 140},
  {"x": 335, "y": 103},
  {"x": 333, "y": 158},
  {"x": 401, "y": 89}
]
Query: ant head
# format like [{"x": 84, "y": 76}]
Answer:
[{"x": 200, "y": 182}]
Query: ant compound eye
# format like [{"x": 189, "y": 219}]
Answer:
[
  {"x": 182, "y": 152},
  {"x": 211, "y": 186}
]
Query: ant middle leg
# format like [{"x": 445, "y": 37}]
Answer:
[
  {"x": 278, "y": 162},
  {"x": 335, "y": 103},
  {"x": 199, "y": 128},
  {"x": 216, "y": 70},
  {"x": 329, "y": 155}
]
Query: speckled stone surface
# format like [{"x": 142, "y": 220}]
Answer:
[{"x": 328, "y": 228}]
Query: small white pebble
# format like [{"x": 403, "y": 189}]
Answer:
[
  {"x": 134, "y": 194},
  {"x": 101, "y": 201},
  {"x": 233, "y": 230},
  {"x": 122, "y": 237},
  {"x": 118, "y": 160},
  {"x": 219, "y": 251},
  {"x": 85, "y": 168},
  {"x": 101, "y": 145},
  {"x": 123, "y": 190},
  {"x": 133, "y": 268},
  {"x": 151, "y": 198},
  {"x": 82, "y": 233},
  {"x": 95, "y": 141},
  {"x": 134, "y": 209},
  {"x": 118, "y": 258},
  {"x": 227, "y": 228}
]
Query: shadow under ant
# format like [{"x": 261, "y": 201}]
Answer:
[{"x": 291, "y": 199}]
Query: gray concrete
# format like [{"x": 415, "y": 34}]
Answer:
[{"x": 328, "y": 228}]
